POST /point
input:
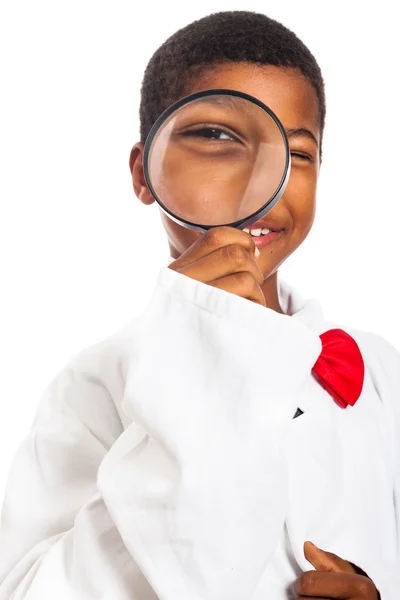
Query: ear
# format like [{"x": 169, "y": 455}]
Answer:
[{"x": 136, "y": 168}]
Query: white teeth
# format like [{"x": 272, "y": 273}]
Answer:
[{"x": 257, "y": 232}]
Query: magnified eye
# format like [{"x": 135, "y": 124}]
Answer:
[{"x": 211, "y": 133}]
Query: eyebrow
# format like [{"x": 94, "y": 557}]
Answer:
[
  {"x": 231, "y": 102},
  {"x": 301, "y": 132}
]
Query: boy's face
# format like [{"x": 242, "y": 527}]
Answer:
[{"x": 294, "y": 102}]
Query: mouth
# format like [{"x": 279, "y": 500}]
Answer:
[{"x": 264, "y": 232}]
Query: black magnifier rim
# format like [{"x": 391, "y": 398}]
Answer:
[{"x": 187, "y": 100}]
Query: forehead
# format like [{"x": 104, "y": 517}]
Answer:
[{"x": 283, "y": 89}]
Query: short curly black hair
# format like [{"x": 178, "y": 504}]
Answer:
[{"x": 227, "y": 36}]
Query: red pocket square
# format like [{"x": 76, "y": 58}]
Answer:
[{"x": 340, "y": 367}]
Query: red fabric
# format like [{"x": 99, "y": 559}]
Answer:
[{"x": 340, "y": 367}]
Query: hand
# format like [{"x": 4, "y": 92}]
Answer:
[
  {"x": 334, "y": 578},
  {"x": 225, "y": 258}
]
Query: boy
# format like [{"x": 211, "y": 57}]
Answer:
[{"x": 165, "y": 462}]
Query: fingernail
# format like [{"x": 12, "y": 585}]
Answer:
[
  {"x": 310, "y": 542},
  {"x": 315, "y": 546},
  {"x": 257, "y": 252}
]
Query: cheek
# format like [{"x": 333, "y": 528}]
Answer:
[{"x": 300, "y": 197}]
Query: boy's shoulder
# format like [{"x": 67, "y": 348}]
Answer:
[
  {"x": 110, "y": 349},
  {"x": 382, "y": 360},
  {"x": 108, "y": 359},
  {"x": 376, "y": 347},
  {"x": 90, "y": 384}
]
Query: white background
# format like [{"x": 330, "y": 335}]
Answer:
[{"x": 79, "y": 252}]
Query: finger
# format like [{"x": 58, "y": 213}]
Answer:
[
  {"x": 242, "y": 284},
  {"x": 326, "y": 561},
  {"x": 233, "y": 258},
  {"x": 343, "y": 586},
  {"x": 212, "y": 240}
]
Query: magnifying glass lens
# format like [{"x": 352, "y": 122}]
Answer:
[{"x": 216, "y": 160}]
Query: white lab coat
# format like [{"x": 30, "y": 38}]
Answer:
[{"x": 165, "y": 462}]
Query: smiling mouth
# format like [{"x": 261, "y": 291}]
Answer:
[{"x": 263, "y": 235}]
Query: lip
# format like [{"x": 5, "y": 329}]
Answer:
[{"x": 264, "y": 240}]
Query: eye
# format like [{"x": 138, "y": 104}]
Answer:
[
  {"x": 303, "y": 156},
  {"x": 210, "y": 132}
]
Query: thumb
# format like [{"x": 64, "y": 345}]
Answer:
[{"x": 326, "y": 561}]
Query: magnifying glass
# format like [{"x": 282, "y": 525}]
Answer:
[{"x": 217, "y": 157}]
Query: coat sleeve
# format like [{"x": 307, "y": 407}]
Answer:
[
  {"x": 189, "y": 500},
  {"x": 215, "y": 384},
  {"x": 57, "y": 539}
]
